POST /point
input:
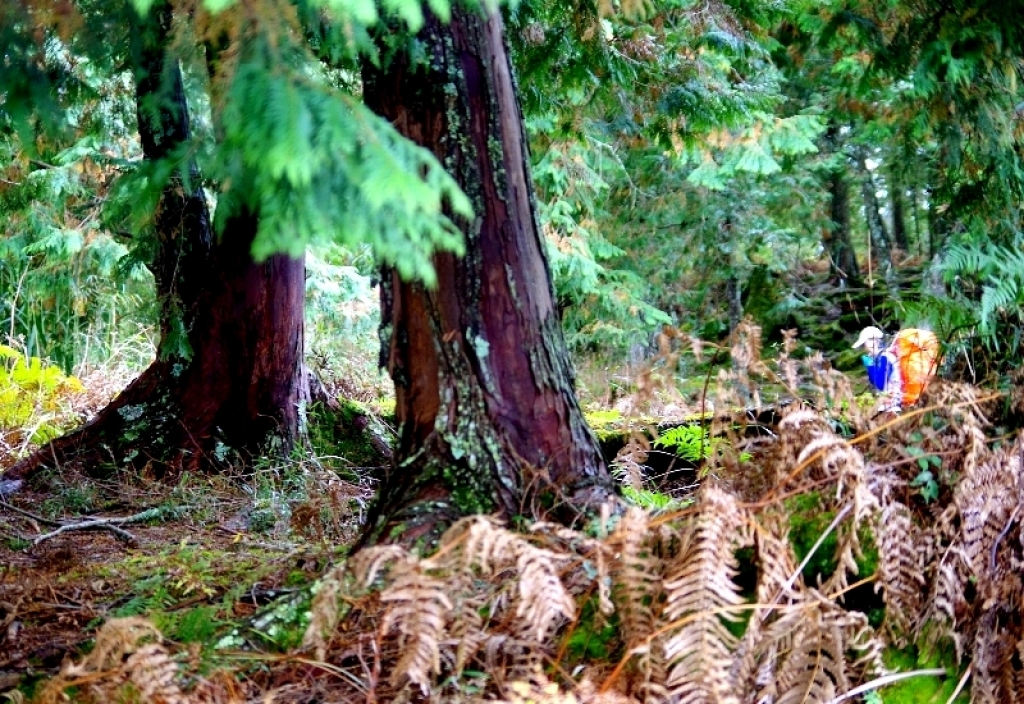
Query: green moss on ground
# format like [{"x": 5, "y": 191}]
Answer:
[
  {"x": 347, "y": 432},
  {"x": 807, "y": 521},
  {"x": 924, "y": 689}
]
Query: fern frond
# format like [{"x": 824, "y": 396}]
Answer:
[
  {"x": 467, "y": 629},
  {"x": 543, "y": 599},
  {"x": 369, "y": 562},
  {"x": 118, "y": 638},
  {"x": 991, "y": 667},
  {"x": 1000, "y": 269},
  {"x": 488, "y": 544},
  {"x": 947, "y": 603},
  {"x": 418, "y": 607},
  {"x": 832, "y": 457},
  {"x": 900, "y": 569},
  {"x": 989, "y": 501},
  {"x": 816, "y": 669},
  {"x": 153, "y": 672},
  {"x": 756, "y": 656},
  {"x": 637, "y": 575},
  {"x": 127, "y": 649},
  {"x": 699, "y": 594},
  {"x": 324, "y": 612}
]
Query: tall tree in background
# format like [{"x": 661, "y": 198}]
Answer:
[
  {"x": 897, "y": 204},
  {"x": 485, "y": 401},
  {"x": 842, "y": 257},
  {"x": 881, "y": 244}
]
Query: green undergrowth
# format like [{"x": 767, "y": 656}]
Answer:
[
  {"x": 808, "y": 521},
  {"x": 656, "y": 501},
  {"x": 610, "y": 424},
  {"x": 345, "y": 433},
  {"x": 924, "y": 689},
  {"x": 593, "y": 637},
  {"x": 220, "y": 597},
  {"x": 35, "y": 400}
]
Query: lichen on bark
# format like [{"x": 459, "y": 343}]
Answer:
[{"x": 484, "y": 388}]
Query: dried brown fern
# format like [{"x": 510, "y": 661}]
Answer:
[
  {"x": 637, "y": 575},
  {"x": 434, "y": 605},
  {"x": 813, "y": 670},
  {"x": 817, "y": 453},
  {"x": 700, "y": 597},
  {"x": 417, "y": 608},
  {"x": 756, "y": 653},
  {"x": 130, "y": 662},
  {"x": 901, "y": 565},
  {"x": 324, "y": 612},
  {"x": 945, "y": 612},
  {"x": 542, "y": 599},
  {"x": 638, "y": 595},
  {"x": 155, "y": 674}
]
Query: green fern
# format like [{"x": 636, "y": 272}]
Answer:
[
  {"x": 691, "y": 442},
  {"x": 34, "y": 398},
  {"x": 1000, "y": 272},
  {"x": 319, "y": 166}
]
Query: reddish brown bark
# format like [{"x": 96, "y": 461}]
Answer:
[
  {"x": 238, "y": 392},
  {"x": 485, "y": 401},
  {"x": 228, "y": 378}
]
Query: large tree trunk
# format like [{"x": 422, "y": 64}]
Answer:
[
  {"x": 881, "y": 244},
  {"x": 227, "y": 381},
  {"x": 836, "y": 239},
  {"x": 842, "y": 257},
  {"x": 488, "y": 415}
]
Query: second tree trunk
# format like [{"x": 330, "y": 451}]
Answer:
[{"x": 488, "y": 415}]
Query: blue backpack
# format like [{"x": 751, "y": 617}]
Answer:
[{"x": 878, "y": 369}]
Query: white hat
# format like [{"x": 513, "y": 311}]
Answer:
[{"x": 868, "y": 333}]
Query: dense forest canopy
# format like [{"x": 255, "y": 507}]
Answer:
[
  {"x": 658, "y": 132},
  {"x": 366, "y": 264}
]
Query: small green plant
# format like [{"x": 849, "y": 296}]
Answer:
[
  {"x": 691, "y": 442},
  {"x": 198, "y": 625},
  {"x": 925, "y": 481},
  {"x": 653, "y": 500},
  {"x": 71, "y": 500},
  {"x": 929, "y": 488},
  {"x": 594, "y": 636},
  {"x": 17, "y": 544},
  {"x": 34, "y": 398}
]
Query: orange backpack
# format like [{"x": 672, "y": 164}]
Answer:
[{"x": 918, "y": 353}]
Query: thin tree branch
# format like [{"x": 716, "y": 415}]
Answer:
[
  {"x": 28, "y": 514},
  {"x": 110, "y": 524}
]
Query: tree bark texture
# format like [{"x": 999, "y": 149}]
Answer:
[
  {"x": 897, "y": 201},
  {"x": 842, "y": 257},
  {"x": 487, "y": 410},
  {"x": 227, "y": 381},
  {"x": 881, "y": 244}
]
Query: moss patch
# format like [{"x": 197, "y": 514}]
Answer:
[
  {"x": 925, "y": 689},
  {"x": 347, "y": 432},
  {"x": 808, "y": 520}
]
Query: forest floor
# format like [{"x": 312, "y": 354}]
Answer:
[
  {"x": 221, "y": 574},
  {"x": 204, "y": 558}
]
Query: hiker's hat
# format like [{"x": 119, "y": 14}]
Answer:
[{"x": 868, "y": 333}]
